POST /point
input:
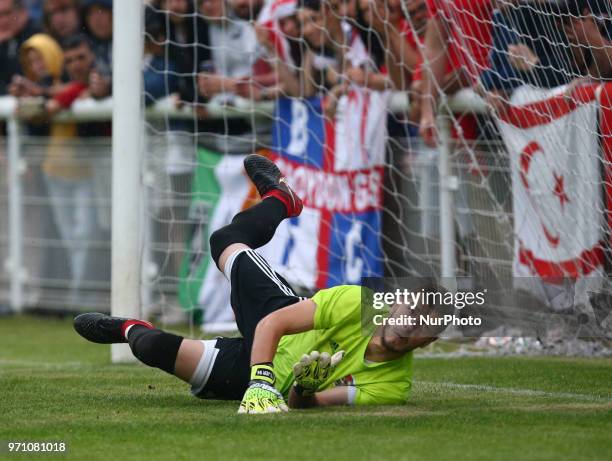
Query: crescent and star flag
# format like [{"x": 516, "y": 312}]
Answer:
[{"x": 555, "y": 150}]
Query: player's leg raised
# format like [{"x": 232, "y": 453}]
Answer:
[{"x": 254, "y": 227}]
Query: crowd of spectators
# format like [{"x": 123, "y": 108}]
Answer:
[{"x": 200, "y": 51}]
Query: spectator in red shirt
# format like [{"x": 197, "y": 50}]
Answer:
[
  {"x": 457, "y": 45},
  {"x": 408, "y": 48},
  {"x": 399, "y": 35},
  {"x": 79, "y": 61}
]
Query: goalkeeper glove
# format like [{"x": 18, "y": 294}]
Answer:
[
  {"x": 313, "y": 370},
  {"x": 261, "y": 396}
]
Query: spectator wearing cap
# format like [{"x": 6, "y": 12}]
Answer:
[
  {"x": 61, "y": 19},
  {"x": 15, "y": 28},
  {"x": 277, "y": 25},
  {"x": 331, "y": 47}
]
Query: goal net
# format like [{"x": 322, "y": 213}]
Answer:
[
  {"x": 464, "y": 140},
  {"x": 426, "y": 137}
]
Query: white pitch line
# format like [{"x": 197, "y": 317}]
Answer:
[
  {"x": 45, "y": 365},
  {"x": 516, "y": 391},
  {"x": 447, "y": 384},
  {"x": 454, "y": 355}
]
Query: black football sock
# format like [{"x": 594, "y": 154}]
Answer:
[
  {"x": 254, "y": 227},
  {"x": 153, "y": 347}
]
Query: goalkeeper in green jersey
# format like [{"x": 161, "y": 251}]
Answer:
[{"x": 304, "y": 352}]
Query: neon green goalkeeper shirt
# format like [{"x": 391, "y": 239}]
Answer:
[{"x": 338, "y": 326}]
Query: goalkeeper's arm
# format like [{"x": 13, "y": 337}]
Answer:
[
  {"x": 261, "y": 396},
  {"x": 336, "y": 396},
  {"x": 296, "y": 318}
]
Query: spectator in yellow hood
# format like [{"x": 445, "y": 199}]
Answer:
[
  {"x": 42, "y": 62},
  {"x": 41, "y": 57}
]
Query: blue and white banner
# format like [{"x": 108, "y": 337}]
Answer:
[{"x": 337, "y": 167}]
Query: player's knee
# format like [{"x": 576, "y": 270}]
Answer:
[
  {"x": 156, "y": 348},
  {"x": 219, "y": 241}
]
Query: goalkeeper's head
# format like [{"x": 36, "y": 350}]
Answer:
[{"x": 404, "y": 335}]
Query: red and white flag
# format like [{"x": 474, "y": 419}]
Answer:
[
  {"x": 559, "y": 212},
  {"x": 272, "y": 13}
]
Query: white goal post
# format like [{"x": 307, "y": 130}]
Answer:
[{"x": 127, "y": 216}]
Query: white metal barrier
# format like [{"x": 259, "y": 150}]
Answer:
[{"x": 102, "y": 110}]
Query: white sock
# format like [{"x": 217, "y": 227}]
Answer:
[{"x": 127, "y": 330}]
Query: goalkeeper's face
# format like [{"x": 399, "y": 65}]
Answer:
[{"x": 406, "y": 331}]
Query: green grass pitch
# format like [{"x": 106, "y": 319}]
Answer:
[{"x": 56, "y": 386}]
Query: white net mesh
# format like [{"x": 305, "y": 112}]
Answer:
[
  {"x": 358, "y": 102},
  {"x": 320, "y": 87}
]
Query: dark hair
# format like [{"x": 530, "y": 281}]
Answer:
[
  {"x": 154, "y": 25},
  {"x": 75, "y": 41},
  {"x": 87, "y": 4},
  {"x": 370, "y": 38},
  {"x": 576, "y": 7},
  {"x": 73, "y": 3},
  {"x": 314, "y": 5},
  {"x": 46, "y": 18},
  {"x": 156, "y": 5}
]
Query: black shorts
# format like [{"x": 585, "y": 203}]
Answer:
[{"x": 257, "y": 291}]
